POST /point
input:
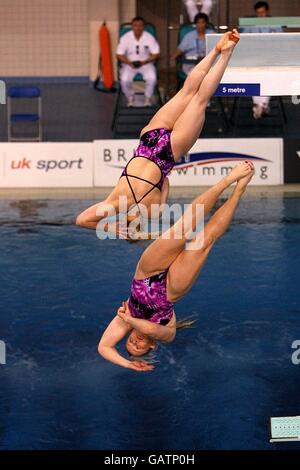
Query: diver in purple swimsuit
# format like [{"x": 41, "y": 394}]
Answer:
[
  {"x": 165, "y": 273},
  {"x": 155, "y": 146},
  {"x": 170, "y": 134}
]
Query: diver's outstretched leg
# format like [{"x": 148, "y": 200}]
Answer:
[
  {"x": 185, "y": 269},
  {"x": 163, "y": 251},
  {"x": 189, "y": 125},
  {"x": 170, "y": 112}
]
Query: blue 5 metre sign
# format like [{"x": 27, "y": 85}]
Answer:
[{"x": 238, "y": 89}]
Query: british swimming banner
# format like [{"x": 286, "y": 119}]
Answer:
[
  {"x": 100, "y": 163},
  {"x": 292, "y": 161},
  {"x": 46, "y": 165},
  {"x": 207, "y": 162}
]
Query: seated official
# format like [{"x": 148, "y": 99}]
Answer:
[
  {"x": 137, "y": 51},
  {"x": 193, "y": 45}
]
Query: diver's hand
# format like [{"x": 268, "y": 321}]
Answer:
[
  {"x": 124, "y": 313},
  {"x": 140, "y": 366}
]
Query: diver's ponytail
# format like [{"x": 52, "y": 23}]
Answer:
[{"x": 180, "y": 325}]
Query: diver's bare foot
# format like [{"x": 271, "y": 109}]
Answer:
[
  {"x": 222, "y": 41},
  {"x": 243, "y": 182},
  {"x": 239, "y": 171},
  {"x": 228, "y": 41}
]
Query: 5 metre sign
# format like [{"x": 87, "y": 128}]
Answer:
[
  {"x": 236, "y": 89},
  {"x": 46, "y": 165}
]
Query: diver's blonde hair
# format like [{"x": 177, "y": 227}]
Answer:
[{"x": 144, "y": 236}]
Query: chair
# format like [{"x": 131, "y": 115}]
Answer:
[{"x": 15, "y": 118}]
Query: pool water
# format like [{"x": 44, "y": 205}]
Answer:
[{"x": 214, "y": 387}]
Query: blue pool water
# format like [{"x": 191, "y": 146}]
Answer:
[{"x": 215, "y": 387}]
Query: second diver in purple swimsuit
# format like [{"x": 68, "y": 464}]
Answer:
[{"x": 165, "y": 272}]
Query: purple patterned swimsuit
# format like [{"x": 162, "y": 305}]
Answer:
[
  {"x": 148, "y": 299},
  {"x": 154, "y": 145}
]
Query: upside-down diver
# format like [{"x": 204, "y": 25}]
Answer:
[
  {"x": 165, "y": 273},
  {"x": 170, "y": 134}
]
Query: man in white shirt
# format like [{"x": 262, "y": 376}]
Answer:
[{"x": 137, "y": 51}]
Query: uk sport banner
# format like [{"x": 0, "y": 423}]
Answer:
[{"x": 46, "y": 165}]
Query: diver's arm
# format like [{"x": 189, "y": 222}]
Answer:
[
  {"x": 111, "y": 354},
  {"x": 113, "y": 334},
  {"x": 155, "y": 331},
  {"x": 93, "y": 214}
]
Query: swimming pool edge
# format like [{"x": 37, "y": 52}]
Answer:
[{"x": 286, "y": 190}]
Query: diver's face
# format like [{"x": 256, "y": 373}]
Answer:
[
  {"x": 138, "y": 344},
  {"x": 201, "y": 26},
  {"x": 261, "y": 12}
]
